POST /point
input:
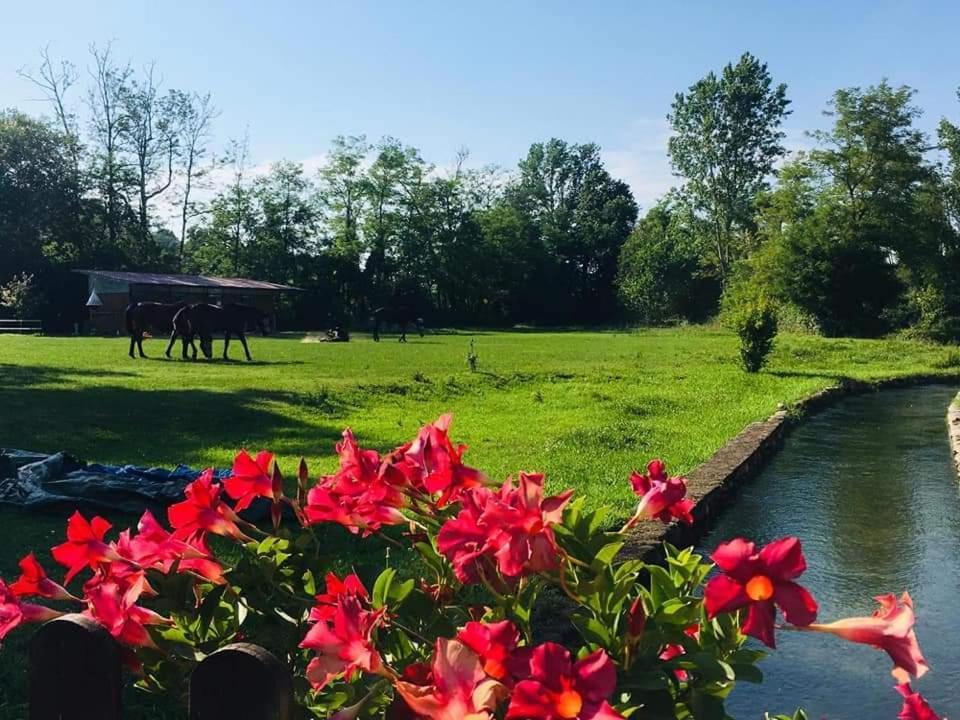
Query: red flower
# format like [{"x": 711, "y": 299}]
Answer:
[
  {"x": 636, "y": 620},
  {"x": 890, "y": 629},
  {"x": 154, "y": 547},
  {"x": 203, "y": 511},
  {"x": 34, "y": 581},
  {"x": 13, "y": 612},
  {"x": 114, "y": 607},
  {"x": 512, "y": 528},
  {"x": 559, "y": 689},
  {"x": 675, "y": 650},
  {"x": 915, "y": 706},
  {"x": 251, "y": 478},
  {"x": 527, "y": 543},
  {"x": 357, "y": 496},
  {"x": 326, "y": 607},
  {"x": 460, "y": 688},
  {"x": 433, "y": 463},
  {"x": 464, "y": 539},
  {"x": 85, "y": 546},
  {"x": 494, "y": 643},
  {"x": 760, "y": 581},
  {"x": 661, "y": 497},
  {"x": 344, "y": 643}
]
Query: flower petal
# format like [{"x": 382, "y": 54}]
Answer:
[{"x": 783, "y": 559}]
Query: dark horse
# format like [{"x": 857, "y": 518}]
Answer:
[
  {"x": 143, "y": 316},
  {"x": 203, "y": 320},
  {"x": 402, "y": 315}
]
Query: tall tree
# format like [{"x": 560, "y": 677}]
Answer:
[
  {"x": 196, "y": 117},
  {"x": 582, "y": 216},
  {"x": 726, "y": 140},
  {"x": 110, "y": 84},
  {"x": 151, "y": 135}
]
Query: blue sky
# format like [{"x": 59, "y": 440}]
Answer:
[{"x": 491, "y": 76}]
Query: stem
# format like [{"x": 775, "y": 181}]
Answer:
[
  {"x": 566, "y": 588},
  {"x": 412, "y": 633}
]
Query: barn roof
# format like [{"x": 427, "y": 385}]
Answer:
[{"x": 173, "y": 280}]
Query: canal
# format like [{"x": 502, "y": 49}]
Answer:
[{"x": 869, "y": 488}]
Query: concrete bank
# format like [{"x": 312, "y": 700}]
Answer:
[{"x": 713, "y": 485}]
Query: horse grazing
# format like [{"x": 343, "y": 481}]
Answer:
[
  {"x": 143, "y": 316},
  {"x": 203, "y": 320},
  {"x": 402, "y": 315}
]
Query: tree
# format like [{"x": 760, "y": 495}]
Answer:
[
  {"x": 582, "y": 217},
  {"x": 659, "y": 277},
  {"x": 108, "y": 124},
  {"x": 21, "y": 296},
  {"x": 726, "y": 141},
  {"x": 196, "y": 116},
  {"x": 150, "y": 133}
]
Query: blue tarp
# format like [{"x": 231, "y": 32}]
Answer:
[{"x": 59, "y": 481}]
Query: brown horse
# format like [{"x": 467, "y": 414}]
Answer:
[
  {"x": 143, "y": 316},
  {"x": 203, "y": 320}
]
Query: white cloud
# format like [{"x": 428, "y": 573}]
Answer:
[{"x": 642, "y": 161}]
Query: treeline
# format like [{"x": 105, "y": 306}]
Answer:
[{"x": 860, "y": 235}]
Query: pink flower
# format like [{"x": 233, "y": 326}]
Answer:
[
  {"x": 358, "y": 496},
  {"x": 465, "y": 538},
  {"x": 559, "y": 689},
  {"x": 915, "y": 706},
  {"x": 14, "y": 612},
  {"x": 513, "y": 528},
  {"x": 34, "y": 581},
  {"x": 672, "y": 651},
  {"x": 251, "y": 478},
  {"x": 203, "y": 511},
  {"x": 85, "y": 546},
  {"x": 661, "y": 497},
  {"x": 114, "y": 607},
  {"x": 526, "y": 542},
  {"x": 760, "y": 582},
  {"x": 460, "y": 688},
  {"x": 344, "y": 643},
  {"x": 890, "y": 629},
  {"x": 494, "y": 643},
  {"x": 431, "y": 462}
]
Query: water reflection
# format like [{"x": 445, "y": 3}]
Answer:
[{"x": 869, "y": 488}]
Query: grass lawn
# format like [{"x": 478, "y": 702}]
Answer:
[{"x": 585, "y": 407}]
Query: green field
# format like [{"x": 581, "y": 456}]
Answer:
[{"x": 585, "y": 407}]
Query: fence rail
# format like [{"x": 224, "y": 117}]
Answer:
[
  {"x": 21, "y": 326},
  {"x": 75, "y": 675}
]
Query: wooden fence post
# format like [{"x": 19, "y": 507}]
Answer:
[
  {"x": 74, "y": 671},
  {"x": 240, "y": 681}
]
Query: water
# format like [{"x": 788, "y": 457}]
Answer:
[{"x": 869, "y": 488}]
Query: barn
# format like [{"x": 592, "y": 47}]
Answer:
[{"x": 109, "y": 292}]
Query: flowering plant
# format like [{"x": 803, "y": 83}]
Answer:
[{"x": 462, "y": 628}]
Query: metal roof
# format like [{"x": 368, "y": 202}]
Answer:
[{"x": 173, "y": 280}]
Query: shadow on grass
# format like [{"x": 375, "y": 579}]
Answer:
[
  {"x": 152, "y": 427},
  {"x": 808, "y": 374}
]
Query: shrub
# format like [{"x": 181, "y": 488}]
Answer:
[
  {"x": 756, "y": 328},
  {"x": 456, "y": 638},
  {"x": 21, "y": 296}
]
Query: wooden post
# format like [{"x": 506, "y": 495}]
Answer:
[
  {"x": 74, "y": 671},
  {"x": 240, "y": 681}
]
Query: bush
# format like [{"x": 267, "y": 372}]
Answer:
[
  {"x": 755, "y": 322},
  {"x": 21, "y": 297},
  {"x": 456, "y": 636}
]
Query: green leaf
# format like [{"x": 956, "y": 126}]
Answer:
[
  {"x": 208, "y": 607},
  {"x": 592, "y": 630},
  {"x": 748, "y": 673},
  {"x": 381, "y": 588},
  {"x": 605, "y": 556}
]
